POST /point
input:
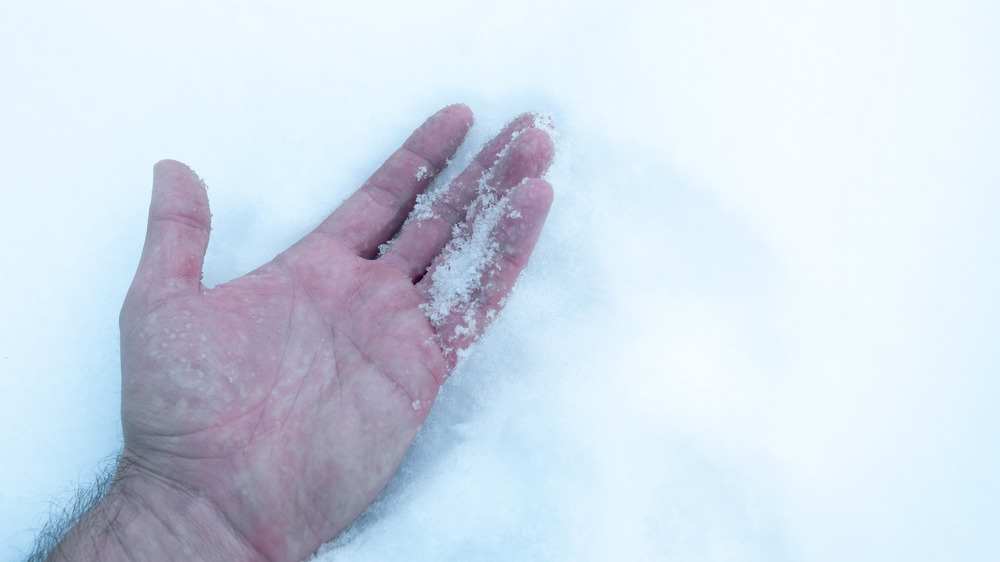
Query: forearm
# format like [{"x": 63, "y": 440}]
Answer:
[{"x": 145, "y": 518}]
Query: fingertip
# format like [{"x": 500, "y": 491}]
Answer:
[
  {"x": 538, "y": 193},
  {"x": 460, "y": 110},
  {"x": 169, "y": 167},
  {"x": 533, "y": 199},
  {"x": 529, "y": 156},
  {"x": 168, "y": 163},
  {"x": 537, "y": 146},
  {"x": 174, "y": 174},
  {"x": 537, "y": 120},
  {"x": 492, "y": 150},
  {"x": 522, "y": 121},
  {"x": 441, "y": 134},
  {"x": 455, "y": 115}
]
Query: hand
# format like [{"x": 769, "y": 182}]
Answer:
[{"x": 285, "y": 399}]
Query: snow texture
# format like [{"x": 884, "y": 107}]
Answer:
[
  {"x": 760, "y": 323},
  {"x": 459, "y": 273}
]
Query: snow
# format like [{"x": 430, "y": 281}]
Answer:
[
  {"x": 472, "y": 249},
  {"x": 760, "y": 323}
]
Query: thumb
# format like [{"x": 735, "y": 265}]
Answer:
[{"x": 177, "y": 232}]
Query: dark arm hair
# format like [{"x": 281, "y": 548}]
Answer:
[{"x": 62, "y": 518}]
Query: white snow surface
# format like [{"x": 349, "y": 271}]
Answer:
[{"x": 760, "y": 324}]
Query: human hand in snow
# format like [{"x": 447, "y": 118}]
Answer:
[{"x": 262, "y": 416}]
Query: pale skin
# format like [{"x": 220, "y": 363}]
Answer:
[{"x": 262, "y": 416}]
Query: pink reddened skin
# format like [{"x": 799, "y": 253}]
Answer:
[{"x": 283, "y": 401}]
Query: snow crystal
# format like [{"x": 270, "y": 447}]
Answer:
[
  {"x": 421, "y": 173},
  {"x": 423, "y": 208},
  {"x": 456, "y": 279},
  {"x": 546, "y": 123},
  {"x": 424, "y": 204}
]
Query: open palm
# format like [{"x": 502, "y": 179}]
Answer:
[{"x": 289, "y": 396}]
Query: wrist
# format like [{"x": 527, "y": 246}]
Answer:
[{"x": 146, "y": 517}]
